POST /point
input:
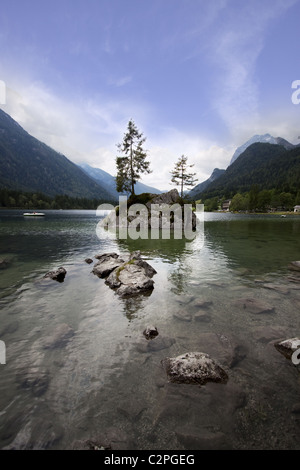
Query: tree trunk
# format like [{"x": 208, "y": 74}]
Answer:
[
  {"x": 181, "y": 182},
  {"x": 131, "y": 171}
]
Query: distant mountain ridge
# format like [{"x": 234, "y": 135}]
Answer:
[
  {"x": 108, "y": 181},
  {"x": 26, "y": 164},
  {"x": 270, "y": 166},
  {"x": 202, "y": 186},
  {"x": 265, "y": 138}
]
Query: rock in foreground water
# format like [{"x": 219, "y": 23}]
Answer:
[
  {"x": 58, "y": 275},
  {"x": 194, "y": 368},
  {"x": 253, "y": 305},
  {"x": 150, "y": 332},
  {"x": 132, "y": 277},
  {"x": 107, "y": 263},
  {"x": 294, "y": 266}
]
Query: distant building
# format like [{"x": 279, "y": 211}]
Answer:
[
  {"x": 226, "y": 204},
  {"x": 297, "y": 209}
]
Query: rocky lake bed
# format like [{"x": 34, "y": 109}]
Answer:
[{"x": 202, "y": 359}]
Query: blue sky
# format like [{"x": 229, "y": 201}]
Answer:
[{"x": 198, "y": 78}]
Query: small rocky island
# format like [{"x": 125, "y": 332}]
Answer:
[{"x": 166, "y": 210}]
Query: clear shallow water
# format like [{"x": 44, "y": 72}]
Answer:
[{"x": 107, "y": 382}]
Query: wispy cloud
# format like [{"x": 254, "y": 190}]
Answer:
[
  {"x": 234, "y": 50},
  {"x": 121, "y": 81}
]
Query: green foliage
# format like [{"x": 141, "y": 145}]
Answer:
[
  {"x": 239, "y": 202},
  {"x": 140, "y": 198},
  {"x": 17, "y": 199},
  {"x": 133, "y": 160},
  {"x": 265, "y": 200},
  {"x": 211, "y": 204}
]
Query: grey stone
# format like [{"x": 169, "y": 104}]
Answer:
[
  {"x": 10, "y": 328},
  {"x": 59, "y": 337},
  {"x": 58, "y": 275},
  {"x": 36, "y": 380},
  {"x": 277, "y": 288},
  {"x": 4, "y": 263},
  {"x": 132, "y": 278},
  {"x": 294, "y": 266},
  {"x": 201, "y": 304},
  {"x": 107, "y": 263},
  {"x": 253, "y": 305},
  {"x": 204, "y": 440},
  {"x": 265, "y": 333},
  {"x": 150, "y": 332},
  {"x": 106, "y": 255},
  {"x": 288, "y": 346},
  {"x": 227, "y": 350},
  {"x": 159, "y": 344},
  {"x": 171, "y": 197},
  {"x": 183, "y": 315},
  {"x": 194, "y": 368},
  {"x": 202, "y": 316}
]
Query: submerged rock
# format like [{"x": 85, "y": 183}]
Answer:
[
  {"x": 278, "y": 288},
  {"x": 267, "y": 333},
  {"x": 59, "y": 337},
  {"x": 183, "y": 315},
  {"x": 58, "y": 275},
  {"x": 160, "y": 343},
  {"x": 288, "y": 346},
  {"x": 254, "y": 305},
  {"x": 36, "y": 380},
  {"x": 202, "y": 304},
  {"x": 294, "y": 266},
  {"x": 228, "y": 350},
  {"x": 194, "y": 368},
  {"x": 88, "y": 260},
  {"x": 205, "y": 440},
  {"x": 4, "y": 263}
]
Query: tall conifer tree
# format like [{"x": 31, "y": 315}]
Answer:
[
  {"x": 180, "y": 175},
  {"x": 133, "y": 160}
]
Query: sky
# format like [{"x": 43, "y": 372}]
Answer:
[{"x": 198, "y": 78}]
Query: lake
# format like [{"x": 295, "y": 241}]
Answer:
[{"x": 105, "y": 384}]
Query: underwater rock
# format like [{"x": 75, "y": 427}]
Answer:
[
  {"x": 254, "y": 305},
  {"x": 194, "y": 368}
]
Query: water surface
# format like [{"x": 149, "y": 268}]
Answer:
[{"x": 106, "y": 382}]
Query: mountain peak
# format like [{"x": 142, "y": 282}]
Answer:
[
  {"x": 202, "y": 186},
  {"x": 29, "y": 165},
  {"x": 265, "y": 138}
]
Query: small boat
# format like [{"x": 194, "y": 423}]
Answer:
[{"x": 33, "y": 214}]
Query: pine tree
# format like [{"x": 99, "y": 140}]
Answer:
[
  {"x": 133, "y": 162},
  {"x": 180, "y": 175}
]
